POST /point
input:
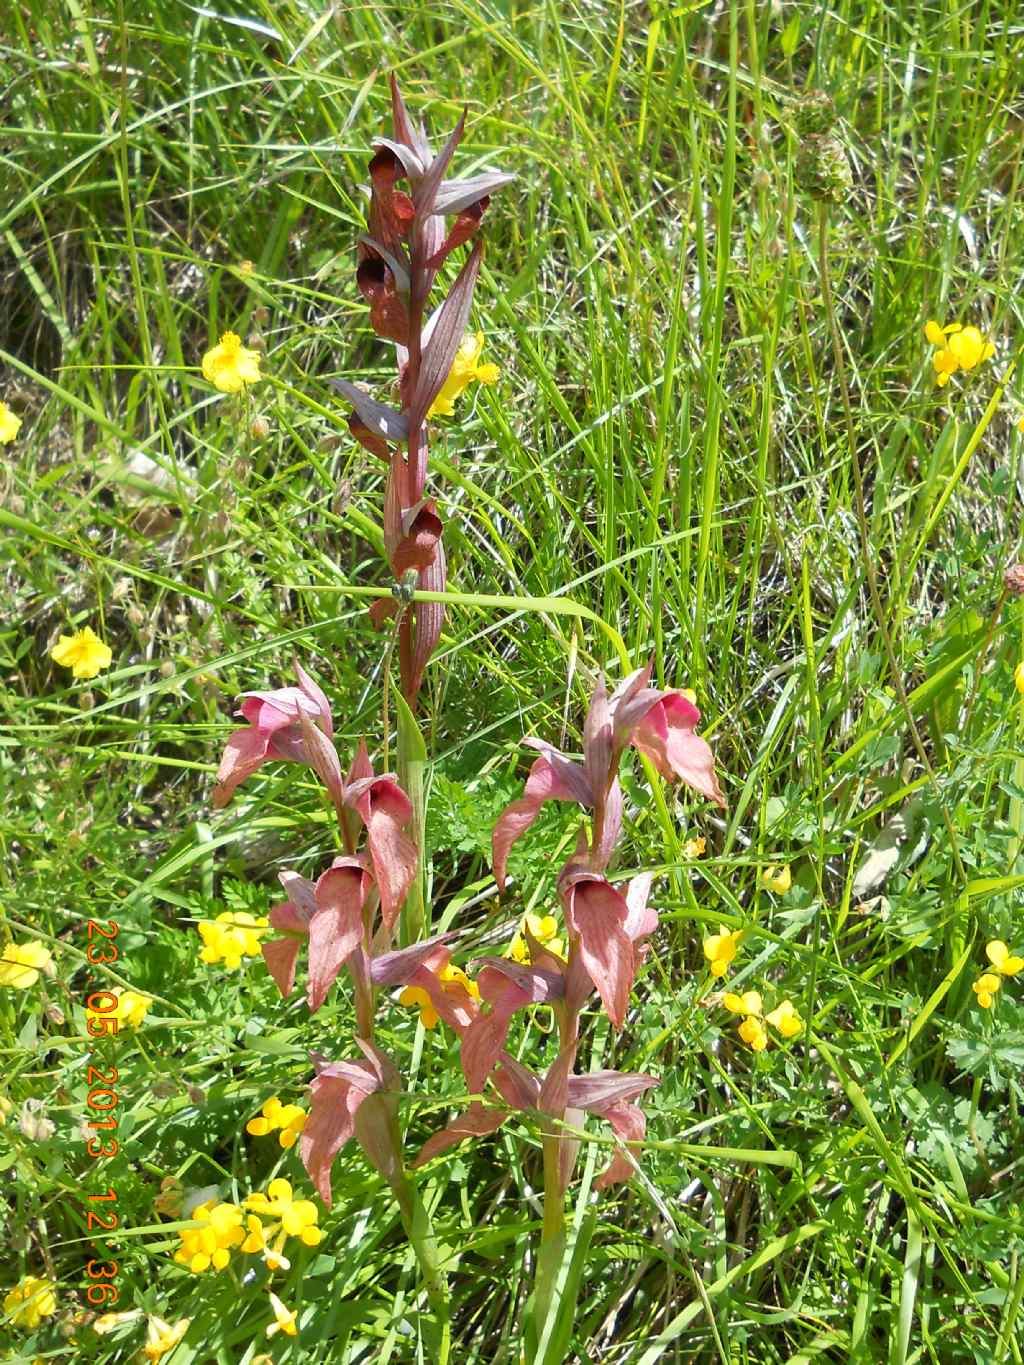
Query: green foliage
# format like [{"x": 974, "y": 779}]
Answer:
[{"x": 664, "y": 447}]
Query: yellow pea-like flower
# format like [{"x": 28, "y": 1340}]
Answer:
[
  {"x": 720, "y": 949},
  {"x": 985, "y": 989},
  {"x": 466, "y": 369},
  {"x": 754, "y": 1034},
  {"x": 786, "y": 1019},
  {"x": 1005, "y": 963}
]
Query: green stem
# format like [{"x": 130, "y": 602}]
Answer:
[
  {"x": 420, "y": 1232},
  {"x": 552, "y": 1238}
]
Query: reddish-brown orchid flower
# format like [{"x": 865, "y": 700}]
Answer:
[
  {"x": 658, "y": 723},
  {"x": 562, "y": 1096},
  {"x": 274, "y": 731}
]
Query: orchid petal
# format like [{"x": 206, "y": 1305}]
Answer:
[
  {"x": 384, "y": 809},
  {"x": 281, "y": 956},
  {"x": 381, "y": 419},
  {"x": 439, "y": 353},
  {"x": 665, "y": 735},
  {"x": 422, "y": 528},
  {"x": 600, "y": 1090},
  {"x": 244, "y": 752},
  {"x": 517, "y": 1085},
  {"x": 484, "y": 1039},
  {"x": 336, "y": 929},
  {"x": 405, "y": 130},
  {"x": 337, "y": 1093},
  {"x": 642, "y": 919},
  {"x": 323, "y": 759},
  {"x": 453, "y": 196},
  {"x": 317, "y": 696},
  {"x": 398, "y": 967},
  {"x": 301, "y": 893}
]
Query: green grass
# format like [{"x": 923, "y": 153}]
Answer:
[{"x": 666, "y": 447}]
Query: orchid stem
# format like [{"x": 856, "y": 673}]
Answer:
[
  {"x": 552, "y": 1238},
  {"x": 420, "y": 1232}
]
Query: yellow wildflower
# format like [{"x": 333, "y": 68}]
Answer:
[
  {"x": 693, "y": 848},
  {"x": 1020, "y": 423},
  {"x": 720, "y": 949},
  {"x": 31, "y": 1300},
  {"x": 291, "y": 1218},
  {"x": 162, "y": 1337},
  {"x": 10, "y": 424},
  {"x": 985, "y": 989},
  {"x": 84, "y": 653},
  {"x": 289, "y": 1118},
  {"x": 785, "y": 1017},
  {"x": 229, "y": 365},
  {"x": 751, "y": 1030},
  {"x": 209, "y": 1244},
  {"x": 754, "y": 1033},
  {"x": 231, "y": 936},
  {"x": 449, "y": 977},
  {"x": 544, "y": 929},
  {"x": 999, "y": 955},
  {"x": 131, "y": 1009},
  {"x": 1018, "y": 676},
  {"x": 6, "y": 1107},
  {"x": 284, "y": 1318},
  {"x": 465, "y": 368},
  {"x": 956, "y": 348},
  {"x": 777, "y": 879},
  {"x": 21, "y": 963},
  {"x": 748, "y": 1003}
]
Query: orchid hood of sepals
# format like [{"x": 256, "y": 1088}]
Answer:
[
  {"x": 328, "y": 915},
  {"x": 605, "y": 1093},
  {"x": 606, "y": 930},
  {"x": 338, "y": 1091},
  {"x": 505, "y": 987},
  {"x": 386, "y": 812},
  {"x": 274, "y": 732},
  {"x": 661, "y": 725}
]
